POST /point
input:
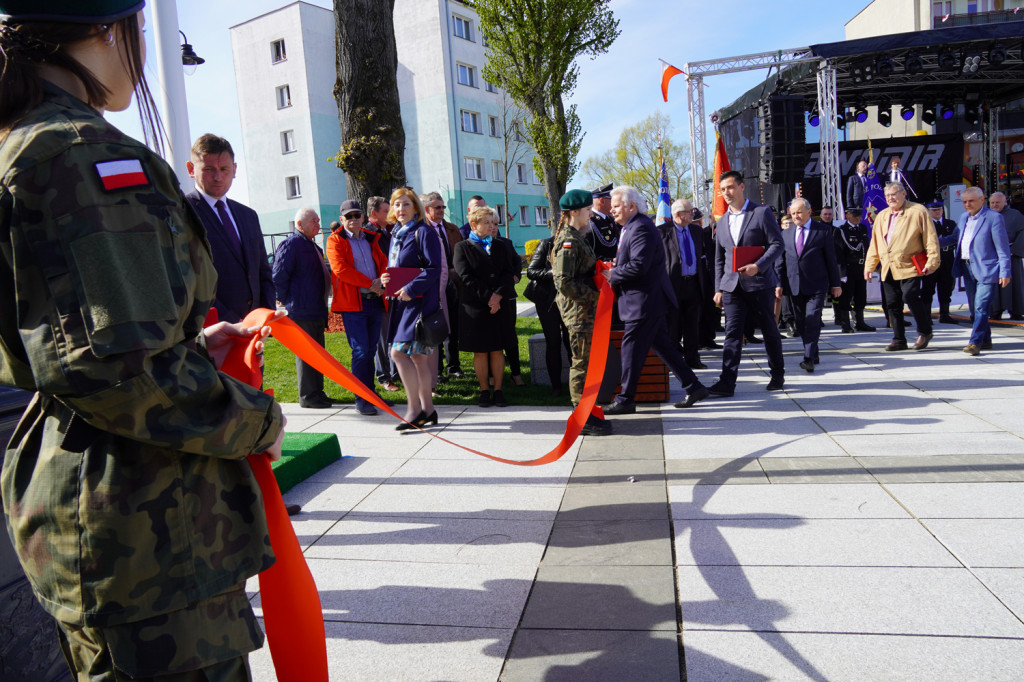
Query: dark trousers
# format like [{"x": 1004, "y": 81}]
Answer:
[
  {"x": 311, "y": 382},
  {"x": 853, "y": 297},
  {"x": 556, "y": 337},
  {"x": 808, "y": 321},
  {"x": 641, "y": 336},
  {"x": 898, "y": 292},
  {"x": 684, "y": 321},
  {"x": 739, "y": 305},
  {"x": 385, "y": 368},
  {"x": 361, "y": 329},
  {"x": 451, "y": 344}
]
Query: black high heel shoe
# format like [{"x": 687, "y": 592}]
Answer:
[
  {"x": 429, "y": 419},
  {"x": 420, "y": 420}
]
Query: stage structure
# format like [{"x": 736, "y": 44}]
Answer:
[{"x": 968, "y": 72}]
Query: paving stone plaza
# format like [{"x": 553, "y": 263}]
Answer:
[{"x": 865, "y": 524}]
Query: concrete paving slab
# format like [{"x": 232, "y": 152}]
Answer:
[
  {"x": 413, "y": 652},
  {"x": 859, "y": 599},
  {"x": 849, "y": 658},
  {"x": 446, "y": 541},
  {"x": 517, "y": 447},
  {"x": 962, "y": 500},
  {"x": 420, "y": 594},
  {"x": 897, "y": 424},
  {"x": 991, "y": 543},
  {"x": 808, "y": 501},
  {"x": 714, "y": 471},
  {"x": 815, "y": 470},
  {"x": 930, "y": 443},
  {"x": 356, "y": 469},
  {"x": 618, "y": 446},
  {"x": 595, "y": 656},
  {"x": 531, "y": 503},
  {"x": 619, "y": 472},
  {"x": 792, "y": 425},
  {"x": 1007, "y": 584},
  {"x": 596, "y": 503},
  {"x": 602, "y": 598},
  {"x": 732, "y": 541},
  {"x": 383, "y": 446},
  {"x": 683, "y": 446},
  {"x": 945, "y": 468},
  {"x": 610, "y": 543},
  {"x": 480, "y": 471}
]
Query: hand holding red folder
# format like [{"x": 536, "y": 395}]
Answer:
[
  {"x": 399, "y": 278},
  {"x": 920, "y": 260},
  {"x": 745, "y": 255}
]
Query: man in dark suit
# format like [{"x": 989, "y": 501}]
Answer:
[
  {"x": 851, "y": 242},
  {"x": 1010, "y": 298},
  {"x": 748, "y": 289},
  {"x": 856, "y": 186},
  {"x": 244, "y": 278},
  {"x": 434, "y": 207},
  {"x": 710, "y": 313},
  {"x": 604, "y": 237},
  {"x": 684, "y": 251},
  {"x": 942, "y": 279},
  {"x": 807, "y": 270},
  {"x": 644, "y": 296}
]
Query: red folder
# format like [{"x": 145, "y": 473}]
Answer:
[
  {"x": 920, "y": 260},
  {"x": 399, "y": 278},
  {"x": 745, "y": 255}
]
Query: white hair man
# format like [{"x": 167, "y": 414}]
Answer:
[
  {"x": 644, "y": 295},
  {"x": 1010, "y": 298},
  {"x": 684, "y": 254}
]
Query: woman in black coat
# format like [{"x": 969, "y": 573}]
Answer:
[
  {"x": 541, "y": 290},
  {"x": 483, "y": 264}
]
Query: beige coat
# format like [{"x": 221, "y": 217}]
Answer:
[{"x": 913, "y": 233}]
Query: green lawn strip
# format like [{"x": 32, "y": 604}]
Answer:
[{"x": 302, "y": 455}]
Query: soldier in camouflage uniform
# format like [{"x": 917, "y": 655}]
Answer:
[
  {"x": 128, "y": 498},
  {"x": 572, "y": 268}
]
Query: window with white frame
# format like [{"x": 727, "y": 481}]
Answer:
[
  {"x": 493, "y": 126},
  {"x": 489, "y": 86},
  {"x": 466, "y": 75},
  {"x": 497, "y": 171},
  {"x": 292, "y": 189},
  {"x": 521, "y": 173},
  {"x": 524, "y": 215},
  {"x": 474, "y": 168},
  {"x": 470, "y": 121},
  {"x": 500, "y": 208},
  {"x": 462, "y": 27},
  {"x": 541, "y": 214},
  {"x": 277, "y": 52},
  {"x": 284, "y": 97},
  {"x": 517, "y": 131},
  {"x": 537, "y": 179},
  {"x": 287, "y": 141}
]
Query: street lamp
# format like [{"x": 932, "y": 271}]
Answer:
[{"x": 189, "y": 59}]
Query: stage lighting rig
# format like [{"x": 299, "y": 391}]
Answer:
[
  {"x": 947, "y": 59},
  {"x": 946, "y": 113},
  {"x": 860, "y": 114},
  {"x": 906, "y": 112},
  {"x": 884, "y": 117},
  {"x": 863, "y": 72},
  {"x": 997, "y": 54},
  {"x": 914, "y": 64},
  {"x": 971, "y": 64},
  {"x": 928, "y": 116},
  {"x": 885, "y": 66}
]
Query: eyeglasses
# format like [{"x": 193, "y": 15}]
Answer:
[
  {"x": 352, "y": 216},
  {"x": 437, "y": 208}
]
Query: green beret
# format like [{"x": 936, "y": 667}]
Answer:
[
  {"x": 73, "y": 11},
  {"x": 575, "y": 199}
]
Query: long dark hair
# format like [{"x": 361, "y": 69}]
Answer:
[{"x": 25, "y": 45}]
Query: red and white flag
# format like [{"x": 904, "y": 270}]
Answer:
[
  {"x": 121, "y": 174},
  {"x": 667, "y": 72}
]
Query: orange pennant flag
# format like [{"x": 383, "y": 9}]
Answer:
[
  {"x": 667, "y": 72},
  {"x": 718, "y": 205}
]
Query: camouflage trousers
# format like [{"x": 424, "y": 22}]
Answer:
[
  {"x": 207, "y": 642},
  {"x": 579, "y": 344}
]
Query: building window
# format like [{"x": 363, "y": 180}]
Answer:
[
  {"x": 541, "y": 213},
  {"x": 462, "y": 27},
  {"x": 500, "y": 208},
  {"x": 287, "y": 141},
  {"x": 291, "y": 185},
  {"x": 467, "y": 75},
  {"x": 524, "y": 215},
  {"x": 517, "y": 131},
  {"x": 493, "y": 126},
  {"x": 497, "y": 172},
  {"x": 489, "y": 87},
  {"x": 277, "y": 53},
  {"x": 941, "y": 9},
  {"x": 471, "y": 121},
  {"x": 521, "y": 173},
  {"x": 474, "y": 168},
  {"x": 284, "y": 97}
]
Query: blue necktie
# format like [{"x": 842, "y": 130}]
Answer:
[
  {"x": 229, "y": 227},
  {"x": 687, "y": 249}
]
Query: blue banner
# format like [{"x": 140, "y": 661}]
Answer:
[
  {"x": 874, "y": 197},
  {"x": 664, "y": 213}
]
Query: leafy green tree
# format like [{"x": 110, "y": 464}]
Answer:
[
  {"x": 533, "y": 48},
  {"x": 634, "y": 160}
]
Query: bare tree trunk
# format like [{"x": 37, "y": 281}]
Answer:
[{"x": 372, "y": 137}]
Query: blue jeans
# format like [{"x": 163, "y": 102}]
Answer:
[
  {"x": 979, "y": 297},
  {"x": 363, "y": 331}
]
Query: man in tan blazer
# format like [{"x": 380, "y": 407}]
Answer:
[{"x": 901, "y": 231}]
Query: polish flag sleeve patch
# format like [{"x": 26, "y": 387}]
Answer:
[{"x": 121, "y": 174}]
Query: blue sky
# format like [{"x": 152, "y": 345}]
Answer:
[{"x": 615, "y": 90}]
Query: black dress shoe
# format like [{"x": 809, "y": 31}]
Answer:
[
  {"x": 777, "y": 383},
  {"x": 922, "y": 341},
  {"x": 316, "y": 404},
  {"x": 621, "y": 408},
  {"x": 596, "y": 427},
  {"x": 808, "y": 365},
  {"x": 847, "y": 329},
  {"x": 864, "y": 327},
  {"x": 946, "y": 319},
  {"x": 499, "y": 399},
  {"x": 717, "y": 390},
  {"x": 896, "y": 345},
  {"x": 485, "y": 399},
  {"x": 366, "y": 409},
  {"x": 693, "y": 397},
  {"x": 696, "y": 364},
  {"x": 1018, "y": 318},
  {"x": 753, "y": 339},
  {"x": 791, "y": 329},
  {"x": 293, "y": 509},
  {"x": 420, "y": 420}
]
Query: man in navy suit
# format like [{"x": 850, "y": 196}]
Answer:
[
  {"x": 749, "y": 289},
  {"x": 982, "y": 258},
  {"x": 644, "y": 296},
  {"x": 684, "y": 251},
  {"x": 856, "y": 186},
  {"x": 244, "y": 278},
  {"x": 807, "y": 269}
]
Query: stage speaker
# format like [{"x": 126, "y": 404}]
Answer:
[{"x": 781, "y": 140}]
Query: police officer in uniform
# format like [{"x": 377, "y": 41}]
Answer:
[
  {"x": 573, "y": 267},
  {"x": 942, "y": 279},
  {"x": 128, "y": 497},
  {"x": 603, "y": 238},
  {"x": 851, "y": 240}
]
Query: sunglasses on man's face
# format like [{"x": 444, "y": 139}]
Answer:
[{"x": 352, "y": 216}]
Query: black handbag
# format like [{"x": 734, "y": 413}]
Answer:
[{"x": 431, "y": 330}]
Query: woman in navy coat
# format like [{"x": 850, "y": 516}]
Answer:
[{"x": 413, "y": 246}]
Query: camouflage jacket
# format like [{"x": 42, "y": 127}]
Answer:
[
  {"x": 572, "y": 269},
  {"x": 125, "y": 488}
]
